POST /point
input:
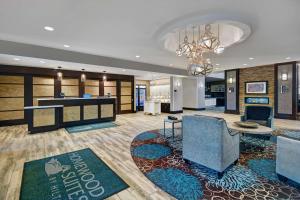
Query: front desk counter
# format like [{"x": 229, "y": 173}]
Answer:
[{"x": 54, "y": 113}]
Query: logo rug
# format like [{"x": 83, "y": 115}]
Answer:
[
  {"x": 74, "y": 175},
  {"x": 90, "y": 127}
]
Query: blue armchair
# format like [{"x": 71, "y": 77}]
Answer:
[{"x": 260, "y": 114}]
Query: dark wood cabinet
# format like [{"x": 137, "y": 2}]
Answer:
[{"x": 165, "y": 107}]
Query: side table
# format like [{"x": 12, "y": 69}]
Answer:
[{"x": 173, "y": 122}]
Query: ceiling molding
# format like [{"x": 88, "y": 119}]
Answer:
[{"x": 34, "y": 51}]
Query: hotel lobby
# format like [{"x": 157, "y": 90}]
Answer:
[{"x": 149, "y": 100}]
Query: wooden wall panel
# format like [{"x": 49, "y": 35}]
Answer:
[
  {"x": 11, "y": 104},
  {"x": 70, "y": 91},
  {"x": 111, "y": 90},
  {"x": 11, "y": 79},
  {"x": 43, "y": 117},
  {"x": 125, "y": 99},
  {"x": 92, "y": 90},
  {"x": 43, "y": 80},
  {"x": 110, "y": 83},
  {"x": 43, "y": 90},
  {"x": 71, "y": 113},
  {"x": 91, "y": 112},
  {"x": 91, "y": 82},
  {"x": 125, "y": 84},
  {"x": 11, "y": 90},
  {"x": 11, "y": 115},
  {"x": 107, "y": 110},
  {"x": 68, "y": 81},
  {"x": 35, "y": 101},
  {"x": 125, "y": 107},
  {"x": 125, "y": 90}
]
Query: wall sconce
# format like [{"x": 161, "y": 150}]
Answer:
[
  {"x": 284, "y": 76},
  {"x": 59, "y": 74},
  {"x": 83, "y": 77},
  {"x": 230, "y": 80},
  {"x": 104, "y": 78}
]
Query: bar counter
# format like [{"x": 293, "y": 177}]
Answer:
[{"x": 65, "y": 112}]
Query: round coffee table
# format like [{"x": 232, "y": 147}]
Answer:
[{"x": 260, "y": 130}]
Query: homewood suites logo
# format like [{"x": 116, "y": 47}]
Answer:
[{"x": 74, "y": 180}]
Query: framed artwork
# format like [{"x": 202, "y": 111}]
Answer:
[{"x": 256, "y": 87}]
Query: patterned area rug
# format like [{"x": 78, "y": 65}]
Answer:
[{"x": 253, "y": 177}]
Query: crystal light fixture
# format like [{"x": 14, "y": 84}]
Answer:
[
  {"x": 208, "y": 41},
  {"x": 179, "y": 50},
  {"x": 194, "y": 51},
  {"x": 199, "y": 66}
]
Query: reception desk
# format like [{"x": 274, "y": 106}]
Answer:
[{"x": 66, "y": 112}]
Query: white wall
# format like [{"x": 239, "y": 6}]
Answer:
[
  {"x": 176, "y": 94},
  {"x": 194, "y": 92}
]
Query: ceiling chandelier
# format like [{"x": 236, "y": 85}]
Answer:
[{"x": 194, "y": 51}]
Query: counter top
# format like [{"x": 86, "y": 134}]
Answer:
[
  {"x": 42, "y": 107},
  {"x": 74, "y": 98}
]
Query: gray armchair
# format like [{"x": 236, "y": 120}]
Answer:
[
  {"x": 260, "y": 114},
  {"x": 288, "y": 158},
  {"x": 208, "y": 142}
]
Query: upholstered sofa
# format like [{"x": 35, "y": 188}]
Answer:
[
  {"x": 288, "y": 158},
  {"x": 208, "y": 142},
  {"x": 260, "y": 114}
]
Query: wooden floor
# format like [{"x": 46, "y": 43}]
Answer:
[{"x": 111, "y": 145}]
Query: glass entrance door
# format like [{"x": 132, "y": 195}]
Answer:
[{"x": 140, "y": 97}]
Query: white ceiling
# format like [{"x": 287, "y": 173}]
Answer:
[{"x": 124, "y": 29}]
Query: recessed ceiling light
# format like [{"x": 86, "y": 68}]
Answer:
[
  {"x": 217, "y": 64},
  {"x": 251, "y": 58},
  {"x": 137, "y": 56},
  {"x": 41, "y": 61},
  {"x": 217, "y": 68},
  {"x": 288, "y": 58},
  {"x": 17, "y": 59},
  {"x": 123, "y": 70},
  {"x": 171, "y": 65},
  {"x": 67, "y": 46},
  {"x": 245, "y": 64},
  {"x": 49, "y": 28}
]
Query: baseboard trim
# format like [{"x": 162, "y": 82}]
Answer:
[
  {"x": 197, "y": 109},
  {"x": 12, "y": 122},
  {"x": 175, "y": 112},
  {"x": 232, "y": 112},
  {"x": 285, "y": 116}
]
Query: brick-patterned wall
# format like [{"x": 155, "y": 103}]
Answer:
[{"x": 260, "y": 73}]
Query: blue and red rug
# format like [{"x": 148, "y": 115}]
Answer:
[{"x": 254, "y": 176}]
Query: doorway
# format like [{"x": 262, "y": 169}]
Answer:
[{"x": 140, "y": 97}]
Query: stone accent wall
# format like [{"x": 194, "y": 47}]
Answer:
[{"x": 260, "y": 73}]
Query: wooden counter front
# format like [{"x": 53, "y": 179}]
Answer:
[{"x": 79, "y": 111}]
